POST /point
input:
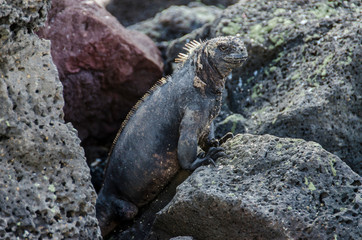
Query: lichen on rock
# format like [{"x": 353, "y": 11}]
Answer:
[
  {"x": 302, "y": 78},
  {"x": 267, "y": 188}
]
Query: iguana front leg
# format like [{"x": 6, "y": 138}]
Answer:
[
  {"x": 208, "y": 139},
  {"x": 190, "y": 130}
]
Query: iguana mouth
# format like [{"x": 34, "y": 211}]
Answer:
[{"x": 236, "y": 58}]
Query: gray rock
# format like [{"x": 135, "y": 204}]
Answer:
[
  {"x": 104, "y": 68},
  {"x": 267, "y": 188},
  {"x": 45, "y": 189},
  {"x": 303, "y": 75},
  {"x": 176, "y": 21},
  {"x": 182, "y": 238},
  {"x": 16, "y": 16},
  {"x": 129, "y": 12}
]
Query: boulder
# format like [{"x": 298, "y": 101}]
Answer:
[
  {"x": 267, "y": 188},
  {"x": 303, "y": 75},
  {"x": 103, "y": 67},
  {"x": 45, "y": 189},
  {"x": 129, "y": 12},
  {"x": 176, "y": 21},
  {"x": 16, "y": 16},
  {"x": 182, "y": 238}
]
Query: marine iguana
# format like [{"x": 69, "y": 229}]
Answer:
[{"x": 162, "y": 132}]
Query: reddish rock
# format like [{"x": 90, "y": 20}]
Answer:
[{"x": 104, "y": 67}]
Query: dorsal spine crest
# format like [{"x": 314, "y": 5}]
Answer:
[
  {"x": 189, "y": 47},
  {"x": 158, "y": 84}
]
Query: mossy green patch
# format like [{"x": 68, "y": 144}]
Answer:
[
  {"x": 205, "y": 15},
  {"x": 279, "y": 11},
  {"x": 280, "y": 55},
  {"x": 257, "y": 33},
  {"x": 323, "y": 9},
  {"x": 260, "y": 111},
  {"x": 234, "y": 119},
  {"x": 310, "y": 185},
  {"x": 324, "y": 73},
  {"x": 231, "y": 29},
  {"x": 312, "y": 82},
  {"x": 331, "y": 163},
  {"x": 326, "y": 61},
  {"x": 312, "y": 37},
  {"x": 256, "y": 91},
  {"x": 296, "y": 76},
  {"x": 274, "y": 120},
  {"x": 51, "y": 188},
  {"x": 306, "y": 181},
  {"x": 321, "y": 70},
  {"x": 347, "y": 61}
]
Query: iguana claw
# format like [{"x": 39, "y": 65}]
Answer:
[{"x": 210, "y": 157}]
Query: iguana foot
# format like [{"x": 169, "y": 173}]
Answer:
[
  {"x": 110, "y": 211},
  {"x": 210, "y": 157},
  {"x": 217, "y": 142},
  {"x": 213, "y": 143}
]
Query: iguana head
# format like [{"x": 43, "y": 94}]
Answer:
[
  {"x": 216, "y": 58},
  {"x": 224, "y": 54}
]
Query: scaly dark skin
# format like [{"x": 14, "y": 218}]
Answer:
[{"x": 162, "y": 134}]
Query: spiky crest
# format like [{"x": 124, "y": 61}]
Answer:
[
  {"x": 182, "y": 57},
  {"x": 158, "y": 84},
  {"x": 189, "y": 47}
]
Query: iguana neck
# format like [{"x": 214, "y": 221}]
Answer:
[{"x": 209, "y": 74}]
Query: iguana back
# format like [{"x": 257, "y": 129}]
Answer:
[{"x": 162, "y": 132}]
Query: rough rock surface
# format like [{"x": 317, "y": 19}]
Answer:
[
  {"x": 303, "y": 76},
  {"x": 182, "y": 238},
  {"x": 45, "y": 189},
  {"x": 17, "y": 15},
  {"x": 104, "y": 67},
  {"x": 267, "y": 188},
  {"x": 129, "y": 12},
  {"x": 176, "y": 21}
]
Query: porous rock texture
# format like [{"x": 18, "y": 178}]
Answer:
[
  {"x": 267, "y": 188},
  {"x": 103, "y": 67},
  {"x": 182, "y": 238},
  {"x": 129, "y": 12},
  {"x": 176, "y": 21},
  {"x": 45, "y": 189},
  {"x": 19, "y": 15},
  {"x": 303, "y": 78}
]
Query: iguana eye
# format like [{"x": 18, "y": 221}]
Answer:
[{"x": 223, "y": 48}]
